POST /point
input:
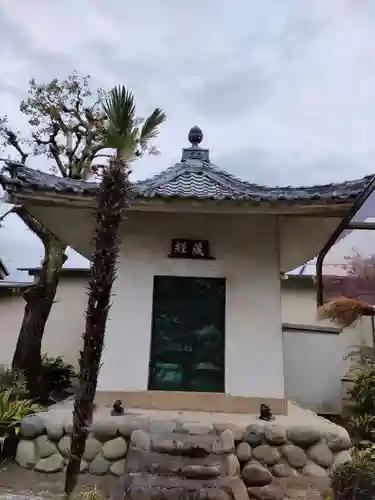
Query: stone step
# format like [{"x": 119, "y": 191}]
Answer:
[
  {"x": 184, "y": 444},
  {"x": 143, "y": 486},
  {"x": 207, "y": 467}
]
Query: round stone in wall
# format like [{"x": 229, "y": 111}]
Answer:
[
  {"x": 64, "y": 446},
  {"x": 238, "y": 431},
  {"x": 44, "y": 446},
  {"x": 255, "y": 474},
  {"x": 321, "y": 455},
  {"x": 55, "y": 430},
  {"x": 92, "y": 448},
  {"x": 273, "y": 491},
  {"x": 342, "y": 457},
  {"x": 243, "y": 452},
  {"x": 233, "y": 465},
  {"x": 117, "y": 468},
  {"x": 266, "y": 454},
  {"x": 338, "y": 439},
  {"x": 313, "y": 470},
  {"x": 49, "y": 465},
  {"x": 275, "y": 434},
  {"x": 32, "y": 427},
  {"x": 140, "y": 439},
  {"x": 115, "y": 449},
  {"x": 304, "y": 435},
  {"x": 226, "y": 443},
  {"x": 294, "y": 455},
  {"x": 129, "y": 424},
  {"x": 105, "y": 430},
  {"x": 99, "y": 466},
  {"x": 283, "y": 470},
  {"x": 254, "y": 434},
  {"x": 26, "y": 454}
]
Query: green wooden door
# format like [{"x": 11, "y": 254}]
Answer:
[{"x": 188, "y": 335}]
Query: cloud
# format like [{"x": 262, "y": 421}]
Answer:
[{"x": 282, "y": 90}]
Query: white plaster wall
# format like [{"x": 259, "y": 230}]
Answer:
[
  {"x": 246, "y": 252},
  {"x": 254, "y": 334},
  {"x": 11, "y": 311},
  {"x": 299, "y": 307},
  {"x": 301, "y": 237},
  {"x": 66, "y": 323},
  {"x": 64, "y": 328}
]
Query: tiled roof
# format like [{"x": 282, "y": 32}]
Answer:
[
  {"x": 193, "y": 177},
  {"x": 204, "y": 180}
]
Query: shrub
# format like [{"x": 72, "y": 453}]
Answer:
[
  {"x": 361, "y": 456},
  {"x": 354, "y": 481},
  {"x": 13, "y": 380},
  {"x": 361, "y": 424},
  {"x": 362, "y": 427},
  {"x": 13, "y": 410},
  {"x": 363, "y": 391},
  {"x": 57, "y": 374}
]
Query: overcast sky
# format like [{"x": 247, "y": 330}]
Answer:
[{"x": 283, "y": 89}]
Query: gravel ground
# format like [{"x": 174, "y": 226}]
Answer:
[{"x": 22, "y": 484}]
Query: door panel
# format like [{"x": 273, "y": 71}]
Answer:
[
  {"x": 188, "y": 334},
  {"x": 313, "y": 368}
]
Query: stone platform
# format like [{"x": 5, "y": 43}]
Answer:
[{"x": 189, "y": 445}]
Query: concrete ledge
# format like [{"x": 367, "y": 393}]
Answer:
[{"x": 191, "y": 401}]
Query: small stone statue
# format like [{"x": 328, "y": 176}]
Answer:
[
  {"x": 266, "y": 413},
  {"x": 117, "y": 408}
]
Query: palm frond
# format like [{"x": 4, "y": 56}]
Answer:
[
  {"x": 120, "y": 110},
  {"x": 150, "y": 127},
  {"x": 124, "y": 131}
]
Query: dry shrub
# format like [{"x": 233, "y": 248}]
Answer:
[
  {"x": 343, "y": 312},
  {"x": 93, "y": 493}
]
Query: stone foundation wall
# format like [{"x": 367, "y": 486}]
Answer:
[{"x": 259, "y": 452}]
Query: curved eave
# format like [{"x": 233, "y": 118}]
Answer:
[
  {"x": 326, "y": 208},
  {"x": 198, "y": 184}
]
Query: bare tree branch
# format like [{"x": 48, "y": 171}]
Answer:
[
  {"x": 4, "y": 215},
  {"x": 11, "y": 139},
  {"x": 52, "y": 147}
]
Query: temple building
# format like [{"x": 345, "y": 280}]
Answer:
[{"x": 196, "y": 316}]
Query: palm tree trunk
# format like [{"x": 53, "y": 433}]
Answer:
[
  {"x": 111, "y": 203},
  {"x": 39, "y": 299}
]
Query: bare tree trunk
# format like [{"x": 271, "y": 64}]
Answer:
[
  {"x": 39, "y": 299},
  {"x": 111, "y": 203}
]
